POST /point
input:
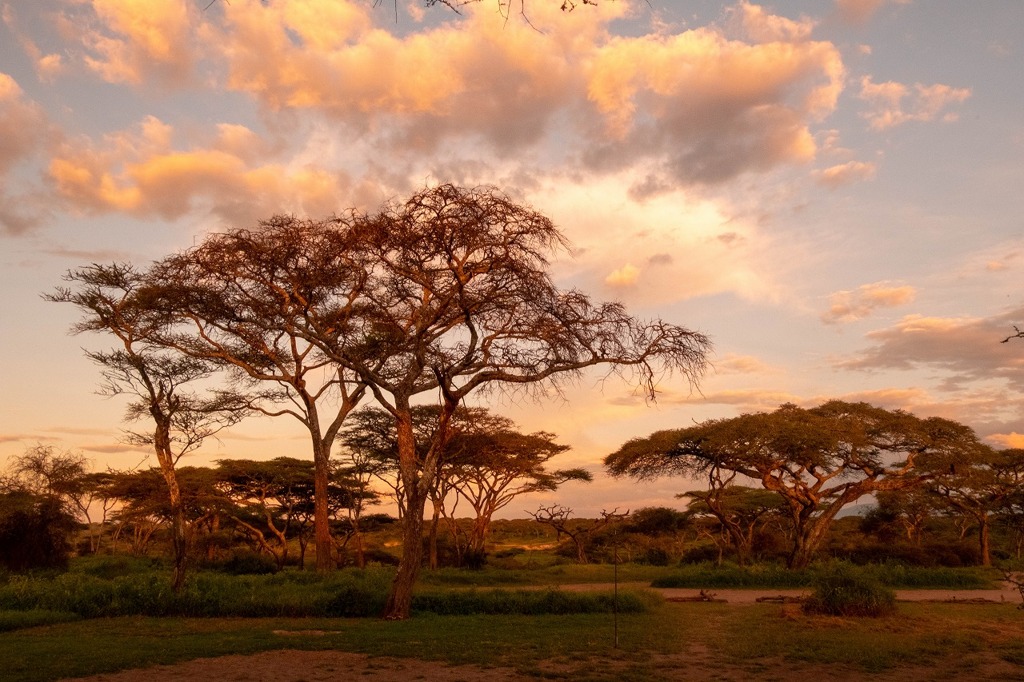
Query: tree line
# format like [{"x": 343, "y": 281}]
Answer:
[
  {"x": 269, "y": 504},
  {"x": 428, "y": 300}
]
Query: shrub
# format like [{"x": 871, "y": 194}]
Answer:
[
  {"x": 842, "y": 590},
  {"x": 34, "y": 531},
  {"x": 247, "y": 562}
]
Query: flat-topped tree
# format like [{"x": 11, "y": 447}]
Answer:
[
  {"x": 460, "y": 299},
  {"x": 819, "y": 460},
  {"x": 250, "y": 300}
]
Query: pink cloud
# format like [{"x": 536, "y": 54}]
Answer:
[
  {"x": 965, "y": 350},
  {"x": 894, "y": 103},
  {"x": 847, "y": 173},
  {"x": 850, "y": 306}
]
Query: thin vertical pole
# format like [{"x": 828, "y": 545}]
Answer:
[{"x": 615, "y": 594}]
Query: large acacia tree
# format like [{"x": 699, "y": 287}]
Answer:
[
  {"x": 819, "y": 460},
  {"x": 460, "y": 299}
]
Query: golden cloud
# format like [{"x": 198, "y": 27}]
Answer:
[
  {"x": 846, "y": 173},
  {"x": 625, "y": 276},
  {"x": 131, "y": 41},
  {"x": 850, "y": 306},
  {"x": 140, "y": 173}
]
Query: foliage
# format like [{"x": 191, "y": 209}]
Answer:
[
  {"x": 844, "y": 591},
  {"x": 34, "y": 531},
  {"x": 818, "y": 460}
]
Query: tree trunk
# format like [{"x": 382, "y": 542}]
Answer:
[
  {"x": 809, "y": 538},
  {"x": 983, "y": 540},
  {"x": 322, "y": 542},
  {"x": 414, "y": 490},
  {"x": 399, "y": 603},
  {"x": 435, "y": 520},
  {"x": 165, "y": 457}
]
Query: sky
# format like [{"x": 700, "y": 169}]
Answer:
[{"x": 832, "y": 191}]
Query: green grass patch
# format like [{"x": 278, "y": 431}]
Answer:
[
  {"x": 16, "y": 620},
  {"x": 735, "y": 642},
  {"x": 776, "y": 576}
]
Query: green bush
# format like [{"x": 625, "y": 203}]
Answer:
[
  {"x": 248, "y": 562},
  {"x": 842, "y": 590}
]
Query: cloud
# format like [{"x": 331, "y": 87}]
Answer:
[
  {"x": 894, "y": 103},
  {"x": 22, "y": 124},
  {"x": 626, "y": 276},
  {"x": 732, "y": 363},
  {"x": 846, "y": 173},
  {"x": 705, "y": 107},
  {"x": 850, "y": 306},
  {"x": 673, "y": 244},
  {"x": 860, "y": 12},
  {"x": 48, "y": 66},
  {"x": 140, "y": 172},
  {"x": 964, "y": 349},
  {"x": 134, "y": 41},
  {"x": 24, "y": 132}
]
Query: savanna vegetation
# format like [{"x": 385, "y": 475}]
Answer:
[{"x": 372, "y": 331}]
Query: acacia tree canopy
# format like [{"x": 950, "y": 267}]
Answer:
[{"x": 819, "y": 459}]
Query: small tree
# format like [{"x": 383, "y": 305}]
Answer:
[
  {"x": 490, "y": 468},
  {"x": 579, "y": 531},
  {"x": 50, "y": 472},
  {"x": 978, "y": 488},
  {"x": 739, "y": 512},
  {"x": 158, "y": 381}
]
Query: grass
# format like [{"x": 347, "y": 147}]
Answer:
[
  {"x": 742, "y": 640},
  {"x": 776, "y": 576}
]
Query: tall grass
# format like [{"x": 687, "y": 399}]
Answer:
[
  {"x": 776, "y": 576},
  {"x": 349, "y": 593}
]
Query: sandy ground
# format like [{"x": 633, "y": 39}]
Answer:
[{"x": 696, "y": 665}]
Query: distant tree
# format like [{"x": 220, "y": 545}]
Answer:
[
  {"x": 266, "y": 498},
  {"x": 34, "y": 530},
  {"x": 978, "y": 488},
  {"x": 48, "y": 471},
  {"x": 739, "y": 511},
  {"x": 489, "y": 467},
  {"x": 113, "y": 300},
  {"x": 579, "y": 531},
  {"x": 910, "y": 509},
  {"x": 818, "y": 460}
]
